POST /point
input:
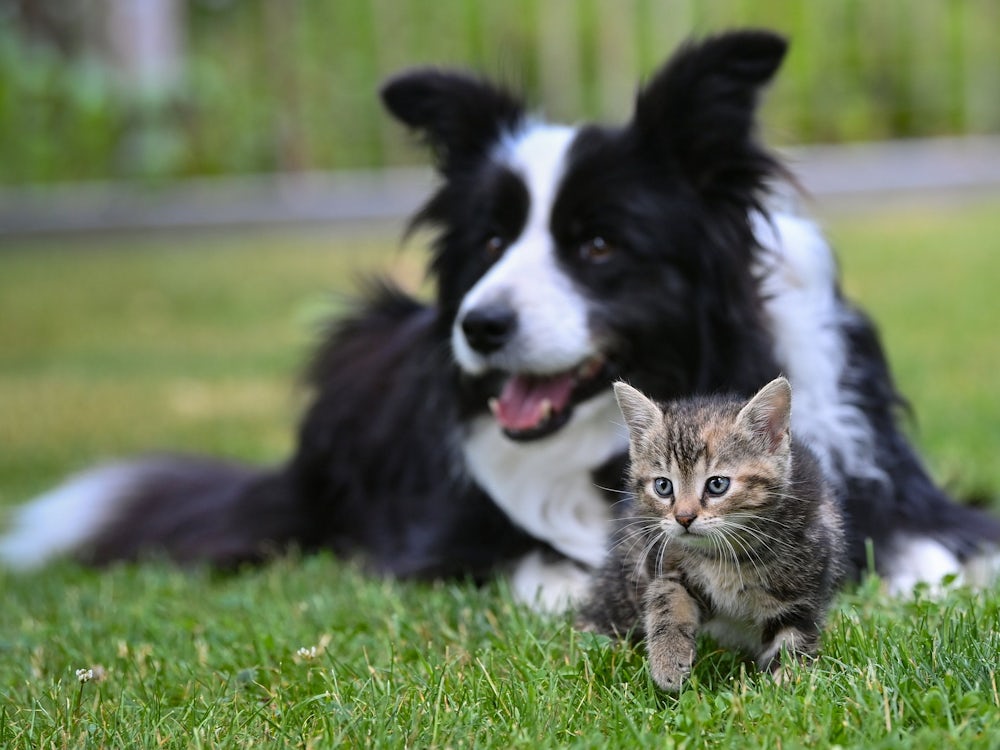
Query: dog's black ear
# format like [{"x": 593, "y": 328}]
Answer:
[
  {"x": 698, "y": 111},
  {"x": 460, "y": 116}
]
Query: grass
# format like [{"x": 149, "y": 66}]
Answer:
[
  {"x": 197, "y": 660},
  {"x": 118, "y": 345}
]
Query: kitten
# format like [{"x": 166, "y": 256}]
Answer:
[{"x": 730, "y": 529}]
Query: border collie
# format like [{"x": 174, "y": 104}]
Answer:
[{"x": 479, "y": 432}]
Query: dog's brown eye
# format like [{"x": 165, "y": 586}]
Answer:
[
  {"x": 596, "y": 250},
  {"x": 495, "y": 245}
]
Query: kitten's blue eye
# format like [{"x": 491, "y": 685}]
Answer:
[
  {"x": 717, "y": 485},
  {"x": 663, "y": 487}
]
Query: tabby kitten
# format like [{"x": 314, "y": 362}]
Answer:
[{"x": 730, "y": 529}]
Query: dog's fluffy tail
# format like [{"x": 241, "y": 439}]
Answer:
[{"x": 182, "y": 508}]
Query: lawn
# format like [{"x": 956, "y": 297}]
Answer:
[{"x": 117, "y": 345}]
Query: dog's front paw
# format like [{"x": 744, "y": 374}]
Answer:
[{"x": 670, "y": 663}]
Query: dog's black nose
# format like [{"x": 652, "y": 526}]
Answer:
[{"x": 489, "y": 327}]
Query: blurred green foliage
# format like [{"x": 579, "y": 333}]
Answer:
[{"x": 292, "y": 85}]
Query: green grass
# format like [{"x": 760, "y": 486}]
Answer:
[
  {"x": 928, "y": 277},
  {"x": 196, "y": 660},
  {"x": 115, "y": 345},
  {"x": 119, "y": 345}
]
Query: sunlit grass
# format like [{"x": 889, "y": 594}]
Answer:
[
  {"x": 309, "y": 653},
  {"x": 115, "y": 345},
  {"x": 928, "y": 275}
]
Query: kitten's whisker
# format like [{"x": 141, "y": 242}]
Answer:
[
  {"x": 626, "y": 495},
  {"x": 773, "y": 545},
  {"x": 748, "y": 516},
  {"x": 762, "y": 538},
  {"x": 638, "y": 527},
  {"x": 755, "y": 538},
  {"x": 635, "y": 536},
  {"x": 721, "y": 555},
  {"x": 736, "y": 562},
  {"x": 753, "y": 557},
  {"x": 754, "y": 554},
  {"x": 665, "y": 540},
  {"x": 786, "y": 496},
  {"x": 641, "y": 563},
  {"x": 735, "y": 520},
  {"x": 632, "y": 520},
  {"x": 618, "y": 502},
  {"x": 644, "y": 554},
  {"x": 614, "y": 490},
  {"x": 716, "y": 553}
]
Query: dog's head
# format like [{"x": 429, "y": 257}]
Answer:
[{"x": 568, "y": 256}]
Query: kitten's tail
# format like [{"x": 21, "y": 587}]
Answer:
[{"x": 182, "y": 508}]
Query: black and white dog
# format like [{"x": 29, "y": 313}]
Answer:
[{"x": 480, "y": 432}]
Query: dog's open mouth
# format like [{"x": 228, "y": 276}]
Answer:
[{"x": 532, "y": 406}]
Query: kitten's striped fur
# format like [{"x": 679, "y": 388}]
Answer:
[{"x": 730, "y": 529}]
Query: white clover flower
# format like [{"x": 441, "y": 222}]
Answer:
[
  {"x": 307, "y": 653},
  {"x": 96, "y": 673}
]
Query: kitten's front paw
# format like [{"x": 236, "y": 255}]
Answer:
[{"x": 670, "y": 663}]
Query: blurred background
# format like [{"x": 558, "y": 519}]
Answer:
[
  {"x": 183, "y": 183},
  {"x": 161, "y": 90}
]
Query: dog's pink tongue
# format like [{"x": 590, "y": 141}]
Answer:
[{"x": 526, "y": 401}]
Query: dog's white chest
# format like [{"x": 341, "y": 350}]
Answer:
[{"x": 545, "y": 485}]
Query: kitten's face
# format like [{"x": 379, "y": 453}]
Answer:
[
  {"x": 707, "y": 470},
  {"x": 701, "y": 479}
]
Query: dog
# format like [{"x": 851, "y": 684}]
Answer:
[{"x": 478, "y": 433}]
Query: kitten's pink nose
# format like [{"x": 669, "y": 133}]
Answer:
[{"x": 686, "y": 519}]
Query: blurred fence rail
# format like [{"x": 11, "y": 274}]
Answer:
[
  {"x": 263, "y": 86},
  {"x": 861, "y": 176}
]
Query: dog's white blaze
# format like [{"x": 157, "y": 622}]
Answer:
[
  {"x": 545, "y": 485},
  {"x": 799, "y": 277},
  {"x": 552, "y": 332},
  {"x": 538, "y": 154},
  {"x": 66, "y": 518}
]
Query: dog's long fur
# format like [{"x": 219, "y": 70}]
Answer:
[{"x": 565, "y": 258}]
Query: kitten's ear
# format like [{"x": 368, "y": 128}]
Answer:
[
  {"x": 641, "y": 413},
  {"x": 768, "y": 414}
]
